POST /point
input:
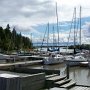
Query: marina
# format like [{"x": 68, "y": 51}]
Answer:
[
  {"x": 60, "y": 75},
  {"x": 44, "y": 45},
  {"x": 77, "y": 79}
]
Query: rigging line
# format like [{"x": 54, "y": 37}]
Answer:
[
  {"x": 57, "y": 23},
  {"x": 43, "y": 39},
  {"x": 47, "y": 35},
  {"x": 80, "y": 26},
  {"x": 77, "y": 27},
  {"x": 74, "y": 29},
  {"x": 70, "y": 30},
  {"x": 79, "y": 23},
  {"x": 53, "y": 36},
  {"x": 54, "y": 39}
]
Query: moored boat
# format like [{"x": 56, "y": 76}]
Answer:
[
  {"x": 4, "y": 56},
  {"x": 53, "y": 58},
  {"x": 84, "y": 64},
  {"x": 75, "y": 60}
]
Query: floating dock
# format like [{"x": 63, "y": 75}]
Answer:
[
  {"x": 33, "y": 71},
  {"x": 55, "y": 82},
  {"x": 74, "y": 88},
  {"x": 19, "y": 64},
  {"x": 17, "y": 81},
  {"x": 39, "y": 81}
]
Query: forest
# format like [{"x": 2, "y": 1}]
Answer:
[
  {"x": 83, "y": 46},
  {"x": 11, "y": 40}
]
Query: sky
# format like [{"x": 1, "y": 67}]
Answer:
[{"x": 30, "y": 17}]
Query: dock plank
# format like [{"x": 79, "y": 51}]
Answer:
[
  {"x": 79, "y": 88},
  {"x": 68, "y": 85},
  {"x": 55, "y": 88},
  {"x": 58, "y": 83},
  {"x": 56, "y": 78},
  {"x": 52, "y": 75},
  {"x": 20, "y": 63}
]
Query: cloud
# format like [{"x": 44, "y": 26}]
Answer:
[
  {"x": 39, "y": 11},
  {"x": 25, "y": 15},
  {"x": 86, "y": 29}
]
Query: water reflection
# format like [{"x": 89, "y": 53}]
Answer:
[
  {"x": 80, "y": 75},
  {"x": 88, "y": 73}
]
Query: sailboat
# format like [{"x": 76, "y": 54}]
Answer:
[
  {"x": 77, "y": 58},
  {"x": 54, "y": 56}
]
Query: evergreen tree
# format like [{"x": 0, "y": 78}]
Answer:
[
  {"x": 2, "y": 38},
  {"x": 12, "y": 40},
  {"x": 14, "y": 35},
  {"x": 7, "y": 38}
]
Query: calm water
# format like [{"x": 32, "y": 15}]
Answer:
[{"x": 79, "y": 74}]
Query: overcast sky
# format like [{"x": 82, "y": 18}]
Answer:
[{"x": 31, "y": 16}]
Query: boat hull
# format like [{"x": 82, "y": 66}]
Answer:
[
  {"x": 53, "y": 61},
  {"x": 73, "y": 63}
]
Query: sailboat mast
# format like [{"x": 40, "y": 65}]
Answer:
[
  {"x": 47, "y": 36},
  {"x": 74, "y": 29},
  {"x": 53, "y": 37},
  {"x": 70, "y": 30},
  {"x": 57, "y": 23},
  {"x": 80, "y": 27}
]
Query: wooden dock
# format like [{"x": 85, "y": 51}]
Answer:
[
  {"x": 34, "y": 71},
  {"x": 17, "y": 81},
  {"x": 74, "y": 88},
  {"x": 80, "y": 88},
  {"x": 40, "y": 81},
  {"x": 56, "y": 82},
  {"x": 52, "y": 75},
  {"x": 33, "y": 57},
  {"x": 24, "y": 63}
]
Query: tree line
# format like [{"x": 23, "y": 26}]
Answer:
[
  {"x": 83, "y": 46},
  {"x": 11, "y": 40}
]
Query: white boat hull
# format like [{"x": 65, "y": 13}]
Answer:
[
  {"x": 48, "y": 61},
  {"x": 75, "y": 61},
  {"x": 3, "y": 56}
]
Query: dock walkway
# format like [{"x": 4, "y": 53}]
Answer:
[
  {"x": 74, "y": 88},
  {"x": 20, "y": 63}
]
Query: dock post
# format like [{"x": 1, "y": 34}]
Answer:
[{"x": 67, "y": 70}]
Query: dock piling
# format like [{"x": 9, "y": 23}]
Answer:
[{"x": 67, "y": 70}]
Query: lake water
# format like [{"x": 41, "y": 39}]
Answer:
[{"x": 79, "y": 74}]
